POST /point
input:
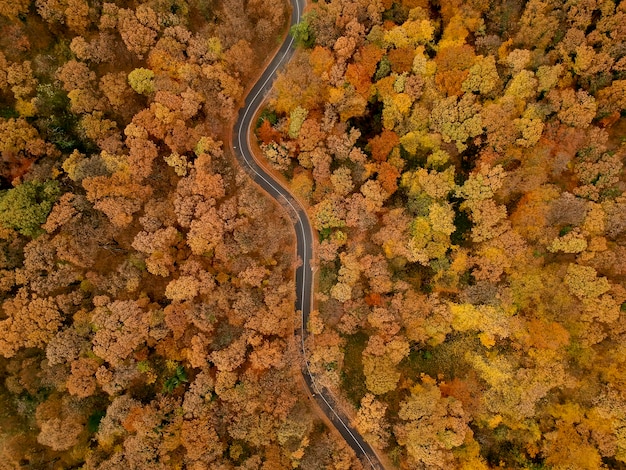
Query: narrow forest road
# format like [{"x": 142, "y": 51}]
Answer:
[{"x": 304, "y": 237}]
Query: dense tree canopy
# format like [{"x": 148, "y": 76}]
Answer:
[
  {"x": 462, "y": 163},
  {"x": 475, "y": 151},
  {"x": 146, "y": 288}
]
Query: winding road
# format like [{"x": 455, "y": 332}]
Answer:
[{"x": 304, "y": 238}]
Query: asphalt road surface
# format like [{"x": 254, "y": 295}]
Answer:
[{"x": 304, "y": 236}]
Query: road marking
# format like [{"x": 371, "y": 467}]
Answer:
[{"x": 297, "y": 211}]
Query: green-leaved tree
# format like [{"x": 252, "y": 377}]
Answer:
[{"x": 25, "y": 207}]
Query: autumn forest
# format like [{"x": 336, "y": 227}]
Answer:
[{"x": 461, "y": 162}]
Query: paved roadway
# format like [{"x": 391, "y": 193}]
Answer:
[{"x": 304, "y": 236}]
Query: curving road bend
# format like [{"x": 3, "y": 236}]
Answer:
[{"x": 304, "y": 238}]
